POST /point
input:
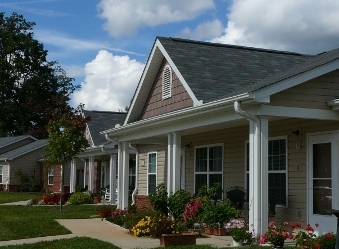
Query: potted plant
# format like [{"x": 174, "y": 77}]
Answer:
[
  {"x": 104, "y": 211},
  {"x": 240, "y": 234},
  {"x": 276, "y": 234}
]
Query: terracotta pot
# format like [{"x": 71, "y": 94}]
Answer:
[
  {"x": 97, "y": 199},
  {"x": 220, "y": 231},
  {"x": 104, "y": 214},
  {"x": 209, "y": 230},
  {"x": 178, "y": 239}
]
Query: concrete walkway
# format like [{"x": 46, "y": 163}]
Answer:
[{"x": 106, "y": 231}]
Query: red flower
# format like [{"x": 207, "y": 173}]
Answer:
[
  {"x": 309, "y": 228},
  {"x": 316, "y": 246},
  {"x": 328, "y": 235}
]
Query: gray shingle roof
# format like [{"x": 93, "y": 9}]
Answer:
[
  {"x": 215, "y": 71},
  {"x": 5, "y": 141},
  {"x": 103, "y": 120},
  {"x": 10, "y": 155}
]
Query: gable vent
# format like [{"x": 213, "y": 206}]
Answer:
[{"x": 166, "y": 82}]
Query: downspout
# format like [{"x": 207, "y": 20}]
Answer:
[{"x": 135, "y": 191}]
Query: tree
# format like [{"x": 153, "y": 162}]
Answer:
[
  {"x": 31, "y": 87},
  {"x": 66, "y": 137}
]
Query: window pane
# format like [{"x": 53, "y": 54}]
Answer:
[
  {"x": 322, "y": 196},
  {"x": 277, "y": 187},
  {"x": 201, "y": 160},
  {"x": 215, "y": 159},
  {"x": 152, "y": 163},
  {"x": 200, "y": 179},
  {"x": 152, "y": 184}
]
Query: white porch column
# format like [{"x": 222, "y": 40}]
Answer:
[
  {"x": 85, "y": 166},
  {"x": 72, "y": 179},
  {"x": 169, "y": 163},
  {"x": 125, "y": 175},
  {"x": 120, "y": 176},
  {"x": 176, "y": 162},
  {"x": 112, "y": 177},
  {"x": 91, "y": 174},
  {"x": 258, "y": 175}
]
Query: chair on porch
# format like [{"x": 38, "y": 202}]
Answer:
[
  {"x": 237, "y": 196},
  {"x": 107, "y": 194}
]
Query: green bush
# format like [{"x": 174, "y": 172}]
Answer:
[
  {"x": 326, "y": 241},
  {"x": 80, "y": 198},
  {"x": 177, "y": 203},
  {"x": 159, "y": 199}
]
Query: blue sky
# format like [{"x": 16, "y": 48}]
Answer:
[{"x": 104, "y": 44}]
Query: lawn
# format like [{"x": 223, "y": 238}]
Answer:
[
  {"x": 6, "y": 197},
  {"x": 20, "y": 222}
]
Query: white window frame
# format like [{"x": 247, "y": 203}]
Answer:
[
  {"x": 167, "y": 82},
  {"x": 156, "y": 169},
  {"x": 50, "y": 173},
  {"x": 207, "y": 172},
  {"x": 1, "y": 173},
  {"x": 270, "y": 171}
]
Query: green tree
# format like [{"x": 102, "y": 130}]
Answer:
[
  {"x": 31, "y": 87},
  {"x": 66, "y": 137}
]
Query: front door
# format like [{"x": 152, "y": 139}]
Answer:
[{"x": 322, "y": 181}]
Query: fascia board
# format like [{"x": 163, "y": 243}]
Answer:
[
  {"x": 187, "y": 113},
  {"x": 97, "y": 151},
  {"x": 266, "y": 92}
]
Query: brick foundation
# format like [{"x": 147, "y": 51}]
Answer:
[{"x": 141, "y": 202}]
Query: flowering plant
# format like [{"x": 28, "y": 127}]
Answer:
[
  {"x": 306, "y": 239},
  {"x": 192, "y": 209},
  {"x": 240, "y": 231},
  {"x": 276, "y": 234}
]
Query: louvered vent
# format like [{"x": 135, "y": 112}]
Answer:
[{"x": 166, "y": 83}]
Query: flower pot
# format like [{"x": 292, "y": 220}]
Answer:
[
  {"x": 178, "y": 239},
  {"x": 97, "y": 199},
  {"x": 237, "y": 243},
  {"x": 209, "y": 230},
  {"x": 220, "y": 231},
  {"x": 104, "y": 214}
]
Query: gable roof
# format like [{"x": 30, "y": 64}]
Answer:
[
  {"x": 10, "y": 155},
  {"x": 102, "y": 120},
  {"x": 5, "y": 141},
  {"x": 212, "y": 71}
]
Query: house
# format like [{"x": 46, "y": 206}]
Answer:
[
  {"x": 262, "y": 119},
  {"x": 20, "y": 156},
  {"x": 93, "y": 167}
]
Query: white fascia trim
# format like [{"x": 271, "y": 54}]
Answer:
[
  {"x": 296, "y": 112},
  {"x": 263, "y": 94},
  {"x": 141, "y": 82},
  {"x": 175, "y": 115},
  {"x": 89, "y": 133},
  {"x": 96, "y": 151},
  {"x": 196, "y": 102}
]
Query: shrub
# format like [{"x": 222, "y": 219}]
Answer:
[
  {"x": 153, "y": 226},
  {"x": 177, "y": 203},
  {"x": 80, "y": 198},
  {"x": 159, "y": 199},
  {"x": 53, "y": 199},
  {"x": 326, "y": 241}
]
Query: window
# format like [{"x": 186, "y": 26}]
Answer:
[
  {"x": 50, "y": 176},
  {"x": 166, "y": 82},
  {"x": 208, "y": 165},
  {"x": 1, "y": 174},
  {"x": 152, "y": 172},
  {"x": 277, "y": 170}
]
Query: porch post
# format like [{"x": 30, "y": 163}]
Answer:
[
  {"x": 125, "y": 175},
  {"x": 91, "y": 174},
  {"x": 169, "y": 163},
  {"x": 85, "y": 166},
  {"x": 120, "y": 176},
  {"x": 258, "y": 168},
  {"x": 72, "y": 181},
  {"x": 176, "y": 161},
  {"x": 112, "y": 177}
]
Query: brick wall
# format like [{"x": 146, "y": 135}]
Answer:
[{"x": 141, "y": 202}]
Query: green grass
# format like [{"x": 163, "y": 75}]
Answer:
[
  {"x": 20, "y": 222},
  {"x": 73, "y": 243},
  {"x": 6, "y": 197}
]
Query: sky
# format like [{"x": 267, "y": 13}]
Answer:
[{"x": 104, "y": 44}]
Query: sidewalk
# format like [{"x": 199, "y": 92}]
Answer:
[{"x": 106, "y": 231}]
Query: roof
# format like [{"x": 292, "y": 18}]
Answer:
[
  {"x": 10, "y": 155},
  {"x": 102, "y": 120},
  {"x": 5, "y": 141},
  {"x": 227, "y": 70}
]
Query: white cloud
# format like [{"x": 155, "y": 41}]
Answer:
[
  {"x": 109, "y": 83},
  {"x": 304, "y": 26},
  {"x": 74, "y": 71},
  {"x": 203, "y": 31},
  {"x": 125, "y": 17}
]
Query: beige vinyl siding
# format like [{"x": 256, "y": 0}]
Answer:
[
  {"x": 28, "y": 164},
  {"x": 143, "y": 160},
  {"x": 5, "y": 172},
  {"x": 312, "y": 94}
]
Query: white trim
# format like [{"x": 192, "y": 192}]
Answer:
[
  {"x": 295, "y": 80},
  {"x": 50, "y": 172},
  {"x": 207, "y": 146},
  {"x": 2, "y": 173},
  {"x": 156, "y": 169}
]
